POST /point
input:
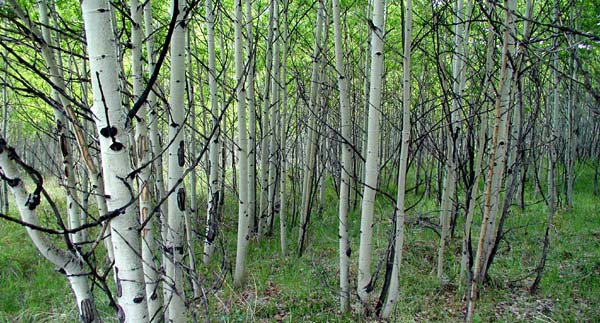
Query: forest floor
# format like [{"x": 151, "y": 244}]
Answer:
[{"x": 292, "y": 289}]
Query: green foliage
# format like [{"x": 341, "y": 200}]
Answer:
[
  {"x": 291, "y": 289},
  {"x": 31, "y": 291}
]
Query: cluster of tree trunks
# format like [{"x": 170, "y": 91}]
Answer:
[{"x": 332, "y": 114}]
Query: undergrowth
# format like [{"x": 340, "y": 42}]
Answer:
[{"x": 288, "y": 288}]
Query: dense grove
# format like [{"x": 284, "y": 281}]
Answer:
[{"x": 312, "y": 161}]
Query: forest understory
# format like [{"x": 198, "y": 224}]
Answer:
[
  {"x": 304, "y": 289},
  {"x": 299, "y": 161}
]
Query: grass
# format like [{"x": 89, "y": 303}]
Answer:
[
  {"x": 29, "y": 284},
  {"x": 291, "y": 289}
]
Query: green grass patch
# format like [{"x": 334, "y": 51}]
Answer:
[{"x": 288, "y": 288}]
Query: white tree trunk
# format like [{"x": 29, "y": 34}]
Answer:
[
  {"x": 175, "y": 244},
  {"x": 346, "y": 132},
  {"x": 453, "y": 136},
  {"x": 149, "y": 244},
  {"x": 266, "y": 125},
  {"x": 156, "y": 147},
  {"x": 214, "y": 145},
  {"x": 283, "y": 135},
  {"x": 107, "y": 108},
  {"x": 251, "y": 53},
  {"x": 273, "y": 127},
  {"x": 483, "y": 134},
  {"x": 191, "y": 214},
  {"x": 364, "y": 287},
  {"x": 243, "y": 218},
  {"x": 68, "y": 171},
  {"x": 393, "y": 292},
  {"x": 143, "y": 158},
  {"x": 58, "y": 80},
  {"x": 504, "y": 99},
  {"x": 311, "y": 148}
]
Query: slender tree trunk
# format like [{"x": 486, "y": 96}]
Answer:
[
  {"x": 214, "y": 148},
  {"x": 453, "y": 136},
  {"x": 175, "y": 243},
  {"x": 251, "y": 54},
  {"x": 155, "y": 140},
  {"x": 346, "y": 132},
  {"x": 399, "y": 211},
  {"x": 143, "y": 158},
  {"x": 191, "y": 215},
  {"x": 364, "y": 285},
  {"x": 274, "y": 120},
  {"x": 365, "y": 118},
  {"x": 283, "y": 124},
  {"x": 265, "y": 124},
  {"x": 5, "y": 110},
  {"x": 496, "y": 164},
  {"x": 311, "y": 148},
  {"x": 553, "y": 127},
  {"x": 68, "y": 171},
  {"x": 224, "y": 94},
  {"x": 243, "y": 217},
  {"x": 149, "y": 245},
  {"x": 505, "y": 98},
  {"x": 515, "y": 142}
]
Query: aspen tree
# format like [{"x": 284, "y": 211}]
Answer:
[
  {"x": 322, "y": 144},
  {"x": 214, "y": 147},
  {"x": 149, "y": 244},
  {"x": 224, "y": 94},
  {"x": 243, "y": 218},
  {"x": 44, "y": 41},
  {"x": 110, "y": 122},
  {"x": 360, "y": 166},
  {"x": 311, "y": 147},
  {"x": 346, "y": 129},
  {"x": 68, "y": 171},
  {"x": 283, "y": 124},
  {"x": 251, "y": 59},
  {"x": 191, "y": 215},
  {"x": 274, "y": 121},
  {"x": 266, "y": 125},
  {"x": 553, "y": 126},
  {"x": 497, "y": 161},
  {"x": 478, "y": 171},
  {"x": 393, "y": 292},
  {"x": 175, "y": 244},
  {"x": 572, "y": 115},
  {"x": 5, "y": 108},
  {"x": 505, "y": 100},
  {"x": 193, "y": 141},
  {"x": 377, "y": 26},
  {"x": 515, "y": 149},
  {"x": 153, "y": 134},
  {"x": 450, "y": 181},
  {"x": 143, "y": 158}
]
